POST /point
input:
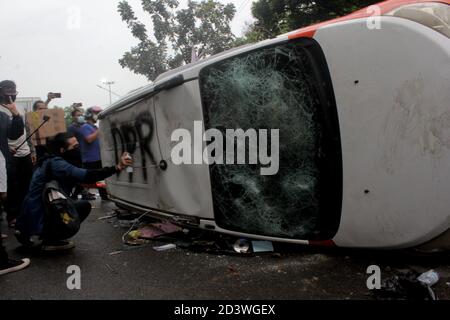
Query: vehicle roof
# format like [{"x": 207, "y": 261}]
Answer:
[
  {"x": 140, "y": 93},
  {"x": 384, "y": 7}
]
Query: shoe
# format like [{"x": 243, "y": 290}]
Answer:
[
  {"x": 57, "y": 246},
  {"x": 27, "y": 241},
  {"x": 13, "y": 266}
]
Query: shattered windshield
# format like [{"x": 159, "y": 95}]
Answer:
[{"x": 279, "y": 87}]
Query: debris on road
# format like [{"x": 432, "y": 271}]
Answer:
[
  {"x": 242, "y": 246},
  {"x": 429, "y": 278},
  {"x": 142, "y": 234},
  {"x": 156, "y": 230},
  {"x": 165, "y": 247},
  {"x": 110, "y": 216},
  {"x": 115, "y": 253},
  {"x": 405, "y": 286},
  {"x": 142, "y": 229},
  {"x": 262, "y": 246}
]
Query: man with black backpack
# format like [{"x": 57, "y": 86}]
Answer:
[{"x": 49, "y": 216}]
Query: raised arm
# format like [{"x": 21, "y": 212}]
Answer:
[
  {"x": 63, "y": 169},
  {"x": 15, "y": 126}
]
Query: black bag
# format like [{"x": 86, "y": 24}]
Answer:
[{"x": 61, "y": 220}]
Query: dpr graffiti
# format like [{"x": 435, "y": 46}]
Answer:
[{"x": 128, "y": 136}]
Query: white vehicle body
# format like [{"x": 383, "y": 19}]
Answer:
[{"x": 386, "y": 182}]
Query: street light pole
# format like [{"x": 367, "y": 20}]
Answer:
[{"x": 110, "y": 83}]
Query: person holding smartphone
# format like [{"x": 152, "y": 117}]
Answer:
[
  {"x": 41, "y": 105},
  {"x": 9, "y": 129},
  {"x": 20, "y": 168}
]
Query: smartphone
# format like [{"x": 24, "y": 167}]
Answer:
[{"x": 55, "y": 95}]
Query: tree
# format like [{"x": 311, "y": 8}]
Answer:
[
  {"x": 203, "y": 27},
  {"x": 275, "y": 17},
  {"x": 68, "y": 115}
]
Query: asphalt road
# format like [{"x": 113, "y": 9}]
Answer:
[{"x": 142, "y": 273}]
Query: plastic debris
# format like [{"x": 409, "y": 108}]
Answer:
[
  {"x": 132, "y": 238},
  {"x": 110, "y": 216},
  {"x": 156, "y": 230},
  {"x": 404, "y": 286},
  {"x": 429, "y": 278},
  {"x": 115, "y": 253},
  {"x": 165, "y": 247},
  {"x": 134, "y": 234},
  {"x": 262, "y": 246},
  {"x": 242, "y": 246},
  {"x": 149, "y": 232}
]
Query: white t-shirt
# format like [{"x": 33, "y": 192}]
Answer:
[
  {"x": 3, "y": 176},
  {"x": 13, "y": 144}
]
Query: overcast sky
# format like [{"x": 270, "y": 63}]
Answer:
[{"x": 68, "y": 46}]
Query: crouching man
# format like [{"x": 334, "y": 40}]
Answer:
[{"x": 48, "y": 217}]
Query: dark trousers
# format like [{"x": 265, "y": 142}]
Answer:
[
  {"x": 3, "y": 254},
  {"x": 20, "y": 172},
  {"x": 83, "y": 208}
]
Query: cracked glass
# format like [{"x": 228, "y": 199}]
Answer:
[{"x": 285, "y": 87}]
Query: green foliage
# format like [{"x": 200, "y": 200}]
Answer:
[
  {"x": 203, "y": 26},
  {"x": 68, "y": 115},
  {"x": 275, "y": 17}
]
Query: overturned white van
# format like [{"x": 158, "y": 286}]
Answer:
[{"x": 363, "y": 112}]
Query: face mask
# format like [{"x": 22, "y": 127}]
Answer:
[
  {"x": 73, "y": 157},
  {"x": 95, "y": 117},
  {"x": 81, "y": 120}
]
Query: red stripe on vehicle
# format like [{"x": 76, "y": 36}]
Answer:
[{"x": 385, "y": 7}]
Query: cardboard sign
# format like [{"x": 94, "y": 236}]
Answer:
[{"x": 55, "y": 125}]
